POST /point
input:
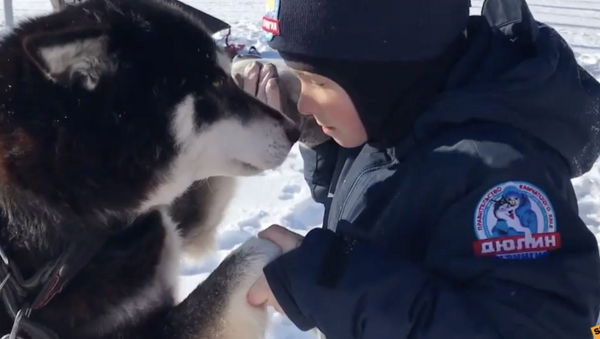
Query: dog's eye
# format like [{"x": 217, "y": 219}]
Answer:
[{"x": 220, "y": 81}]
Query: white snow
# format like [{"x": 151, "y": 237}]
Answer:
[{"x": 281, "y": 196}]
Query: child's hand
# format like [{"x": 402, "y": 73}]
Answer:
[
  {"x": 261, "y": 81},
  {"x": 283, "y": 237},
  {"x": 260, "y": 293}
]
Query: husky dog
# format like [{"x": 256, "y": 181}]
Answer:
[{"x": 121, "y": 131}]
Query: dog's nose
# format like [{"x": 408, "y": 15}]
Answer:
[{"x": 292, "y": 133}]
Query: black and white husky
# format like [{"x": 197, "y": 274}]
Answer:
[{"x": 120, "y": 132}]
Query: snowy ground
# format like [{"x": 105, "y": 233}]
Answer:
[{"x": 281, "y": 196}]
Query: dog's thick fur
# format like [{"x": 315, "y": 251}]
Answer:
[{"x": 121, "y": 116}]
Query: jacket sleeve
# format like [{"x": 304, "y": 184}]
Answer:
[{"x": 452, "y": 293}]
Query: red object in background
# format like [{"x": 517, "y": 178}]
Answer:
[{"x": 232, "y": 49}]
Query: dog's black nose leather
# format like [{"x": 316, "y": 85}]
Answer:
[{"x": 292, "y": 133}]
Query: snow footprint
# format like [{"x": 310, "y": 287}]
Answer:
[
  {"x": 305, "y": 215},
  {"x": 587, "y": 59},
  {"x": 230, "y": 238},
  {"x": 289, "y": 191},
  {"x": 253, "y": 222},
  {"x": 589, "y": 214}
]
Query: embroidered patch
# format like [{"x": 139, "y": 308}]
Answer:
[
  {"x": 270, "y": 21},
  {"x": 515, "y": 220}
]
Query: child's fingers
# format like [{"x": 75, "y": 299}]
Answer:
[
  {"x": 281, "y": 236},
  {"x": 251, "y": 78},
  {"x": 272, "y": 94}
]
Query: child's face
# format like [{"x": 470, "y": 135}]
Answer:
[{"x": 332, "y": 108}]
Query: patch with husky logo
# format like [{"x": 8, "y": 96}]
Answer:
[
  {"x": 270, "y": 21},
  {"x": 515, "y": 220}
]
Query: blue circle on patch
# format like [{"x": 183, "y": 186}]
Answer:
[{"x": 518, "y": 213}]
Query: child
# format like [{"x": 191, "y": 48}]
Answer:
[{"x": 449, "y": 135}]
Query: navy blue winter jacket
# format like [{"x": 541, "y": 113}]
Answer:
[{"x": 469, "y": 228}]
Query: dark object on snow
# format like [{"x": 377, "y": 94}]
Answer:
[
  {"x": 212, "y": 24},
  {"x": 58, "y": 5}
]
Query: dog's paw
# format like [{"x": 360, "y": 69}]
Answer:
[
  {"x": 245, "y": 264},
  {"x": 218, "y": 307},
  {"x": 256, "y": 253},
  {"x": 232, "y": 280}
]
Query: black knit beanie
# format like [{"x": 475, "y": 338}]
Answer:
[
  {"x": 391, "y": 57},
  {"x": 372, "y": 30}
]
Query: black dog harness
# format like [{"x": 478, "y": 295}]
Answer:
[{"x": 16, "y": 293}]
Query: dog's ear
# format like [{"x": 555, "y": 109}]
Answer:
[{"x": 77, "y": 56}]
